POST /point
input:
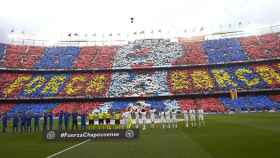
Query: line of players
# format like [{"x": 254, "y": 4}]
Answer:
[
  {"x": 130, "y": 118},
  {"x": 163, "y": 118}
]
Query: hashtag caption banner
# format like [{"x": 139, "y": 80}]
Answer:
[{"x": 55, "y": 135}]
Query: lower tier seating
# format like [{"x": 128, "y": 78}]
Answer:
[{"x": 256, "y": 102}]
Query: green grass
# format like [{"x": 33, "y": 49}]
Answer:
[{"x": 255, "y": 135}]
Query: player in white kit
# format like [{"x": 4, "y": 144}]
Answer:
[
  {"x": 144, "y": 118},
  {"x": 174, "y": 118},
  {"x": 137, "y": 118},
  {"x": 124, "y": 119},
  {"x": 186, "y": 118},
  {"x": 192, "y": 118},
  {"x": 162, "y": 119},
  {"x": 168, "y": 118},
  {"x": 152, "y": 117},
  {"x": 201, "y": 121},
  {"x": 196, "y": 111}
]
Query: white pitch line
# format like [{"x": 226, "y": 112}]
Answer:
[{"x": 62, "y": 151}]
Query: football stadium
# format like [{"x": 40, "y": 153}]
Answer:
[{"x": 140, "y": 79}]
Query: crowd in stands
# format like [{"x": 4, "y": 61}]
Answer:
[
  {"x": 261, "y": 47},
  {"x": 158, "y": 82},
  {"x": 141, "y": 53},
  {"x": 208, "y": 104},
  {"x": 148, "y": 53}
]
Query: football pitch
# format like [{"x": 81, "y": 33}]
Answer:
[{"x": 254, "y": 135}]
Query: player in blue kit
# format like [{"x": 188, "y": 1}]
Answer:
[
  {"x": 4, "y": 122},
  {"x": 74, "y": 120},
  {"x": 60, "y": 120},
  {"x": 45, "y": 123},
  {"x": 66, "y": 119},
  {"x": 22, "y": 122},
  {"x": 83, "y": 121},
  {"x": 15, "y": 122},
  {"x": 36, "y": 122},
  {"x": 28, "y": 121},
  {"x": 50, "y": 120}
]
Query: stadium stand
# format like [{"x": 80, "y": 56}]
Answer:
[
  {"x": 193, "y": 54},
  {"x": 76, "y": 106},
  {"x": 209, "y": 104},
  {"x": 22, "y": 56},
  {"x": 216, "y": 74},
  {"x": 246, "y": 102},
  {"x": 261, "y": 47},
  {"x": 5, "y": 107},
  {"x": 95, "y": 57},
  {"x": 224, "y": 50},
  {"x": 58, "y": 58},
  {"x": 36, "y": 108},
  {"x": 2, "y": 51},
  {"x": 248, "y": 77},
  {"x": 142, "y": 53},
  {"x": 151, "y": 52}
]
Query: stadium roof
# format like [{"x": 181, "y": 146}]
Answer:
[{"x": 54, "y": 19}]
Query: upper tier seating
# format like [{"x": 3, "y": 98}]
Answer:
[
  {"x": 95, "y": 57},
  {"x": 141, "y": 53},
  {"x": 193, "y": 54},
  {"x": 147, "y": 53},
  {"x": 2, "y": 51},
  {"x": 261, "y": 47},
  {"x": 224, "y": 50},
  {"x": 58, "y": 58},
  {"x": 22, "y": 57}
]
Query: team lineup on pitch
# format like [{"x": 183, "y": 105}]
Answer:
[{"x": 224, "y": 136}]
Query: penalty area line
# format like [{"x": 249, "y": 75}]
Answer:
[{"x": 71, "y": 147}]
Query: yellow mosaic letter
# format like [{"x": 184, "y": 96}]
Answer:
[
  {"x": 223, "y": 78},
  {"x": 202, "y": 80},
  {"x": 268, "y": 74},
  {"x": 69, "y": 89},
  {"x": 34, "y": 84},
  {"x": 53, "y": 85},
  {"x": 240, "y": 75},
  {"x": 96, "y": 84},
  {"x": 16, "y": 84},
  {"x": 179, "y": 80}
]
